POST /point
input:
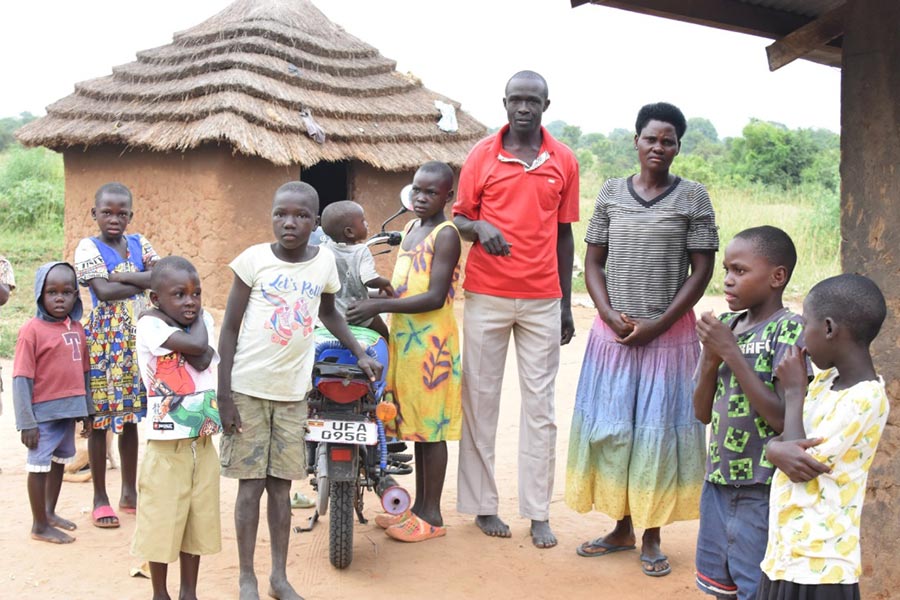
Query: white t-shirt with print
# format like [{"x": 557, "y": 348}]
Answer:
[
  {"x": 276, "y": 344},
  {"x": 814, "y": 526}
]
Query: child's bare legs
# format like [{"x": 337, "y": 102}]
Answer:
[
  {"x": 128, "y": 453},
  {"x": 43, "y": 491},
  {"x": 431, "y": 468},
  {"x": 97, "y": 459},
  {"x": 190, "y": 568},
  {"x": 246, "y": 524},
  {"x": 158, "y": 573},
  {"x": 279, "y": 513},
  {"x": 54, "y": 484}
]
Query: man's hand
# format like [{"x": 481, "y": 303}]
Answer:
[
  {"x": 792, "y": 372},
  {"x": 792, "y": 459},
  {"x": 30, "y": 437},
  {"x": 717, "y": 337},
  {"x": 229, "y": 414},
  {"x": 567, "y": 329},
  {"x": 371, "y": 367},
  {"x": 491, "y": 239}
]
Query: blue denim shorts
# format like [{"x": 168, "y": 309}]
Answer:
[
  {"x": 56, "y": 443},
  {"x": 734, "y": 531}
]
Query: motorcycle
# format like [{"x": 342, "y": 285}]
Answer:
[{"x": 347, "y": 449}]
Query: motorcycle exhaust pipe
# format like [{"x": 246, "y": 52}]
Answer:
[{"x": 394, "y": 499}]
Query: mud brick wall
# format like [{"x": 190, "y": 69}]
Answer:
[
  {"x": 870, "y": 227},
  {"x": 206, "y": 204}
]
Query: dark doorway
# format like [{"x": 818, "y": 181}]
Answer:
[{"x": 329, "y": 179}]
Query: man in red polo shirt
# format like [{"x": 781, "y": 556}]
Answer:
[{"x": 517, "y": 199}]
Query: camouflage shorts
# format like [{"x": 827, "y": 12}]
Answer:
[{"x": 271, "y": 443}]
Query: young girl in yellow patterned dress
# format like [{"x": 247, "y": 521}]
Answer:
[
  {"x": 116, "y": 268},
  {"x": 424, "y": 371}
]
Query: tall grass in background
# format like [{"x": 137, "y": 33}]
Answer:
[
  {"x": 809, "y": 214},
  {"x": 31, "y": 228}
]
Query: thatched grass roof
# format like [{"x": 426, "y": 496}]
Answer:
[{"x": 242, "y": 77}]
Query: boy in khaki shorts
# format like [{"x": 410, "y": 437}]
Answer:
[
  {"x": 267, "y": 350},
  {"x": 178, "y": 499}
]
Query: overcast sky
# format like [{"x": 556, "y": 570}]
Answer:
[{"x": 602, "y": 64}]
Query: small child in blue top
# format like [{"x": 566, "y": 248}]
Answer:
[
  {"x": 738, "y": 393},
  {"x": 50, "y": 393}
]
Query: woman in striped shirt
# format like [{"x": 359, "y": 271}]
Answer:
[{"x": 636, "y": 451}]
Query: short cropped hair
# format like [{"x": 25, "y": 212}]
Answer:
[
  {"x": 167, "y": 265},
  {"x": 852, "y": 301},
  {"x": 114, "y": 188},
  {"x": 439, "y": 168},
  {"x": 297, "y": 187},
  {"x": 529, "y": 75},
  {"x": 661, "y": 111},
  {"x": 337, "y": 215},
  {"x": 774, "y": 245}
]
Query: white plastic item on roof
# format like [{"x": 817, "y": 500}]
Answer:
[{"x": 448, "y": 121}]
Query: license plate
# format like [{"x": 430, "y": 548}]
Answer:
[{"x": 345, "y": 432}]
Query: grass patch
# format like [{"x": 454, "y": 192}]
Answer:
[
  {"x": 26, "y": 249},
  {"x": 809, "y": 215}
]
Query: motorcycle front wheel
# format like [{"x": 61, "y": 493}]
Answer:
[{"x": 340, "y": 526}]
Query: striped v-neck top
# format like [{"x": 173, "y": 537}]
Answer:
[{"x": 649, "y": 242}]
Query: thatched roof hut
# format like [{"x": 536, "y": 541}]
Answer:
[
  {"x": 243, "y": 77},
  {"x": 224, "y": 114}
]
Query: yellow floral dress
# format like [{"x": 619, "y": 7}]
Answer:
[
  {"x": 814, "y": 526},
  {"x": 424, "y": 374}
]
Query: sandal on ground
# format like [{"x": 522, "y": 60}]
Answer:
[
  {"x": 128, "y": 510},
  {"x": 385, "y": 520},
  {"x": 600, "y": 548},
  {"x": 301, "y": 501},
  {"x": 415, "y": 529},
  {"x": 104, "y": 512},
  {"x": 648, "y": 566}
]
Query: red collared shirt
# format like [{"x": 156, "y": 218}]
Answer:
[{"x": 526, "y": 203}]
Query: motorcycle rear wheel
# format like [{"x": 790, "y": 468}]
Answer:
[{"x": 340, "y": 526}]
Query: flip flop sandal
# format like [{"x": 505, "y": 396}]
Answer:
[
  {"x": 415, "y": 529},
  {"x": 651, "y": 572},
  {"x": 385, "y": 520},
  {"x": 128, "y": 510},
  {"x": 104, "y": 512},
  {"x": 608, "y": 548}
]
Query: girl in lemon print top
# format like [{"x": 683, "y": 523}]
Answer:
[{"x": 830, "y": 435}]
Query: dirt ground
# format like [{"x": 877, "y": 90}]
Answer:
[{"x": 464, "y": 564}]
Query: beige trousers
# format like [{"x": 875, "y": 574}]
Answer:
[{"x": 487, "y": 323}]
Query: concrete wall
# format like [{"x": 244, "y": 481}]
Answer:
[{"x": 870, "y": 227}]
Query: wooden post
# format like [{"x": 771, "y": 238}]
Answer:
[{"x": 870, "y": 227}]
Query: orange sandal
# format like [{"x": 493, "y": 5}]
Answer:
[
  {"x": 386, "y": 520},
  {"x": 415, "y": 529}
]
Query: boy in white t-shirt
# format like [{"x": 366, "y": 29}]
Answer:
[
  {"x": 267, "y": 353},
  {"x": 178, "y": 500}
]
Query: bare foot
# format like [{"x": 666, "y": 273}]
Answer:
[
  {"x": 280, "y": 589},
  {"x": 51, "y": 534},
  {"x": 541, "y": 534},
  {"x": 249, "y": 588},
  {"x": 492, "y": 525},
  {"x": 56, "y": 521}
]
